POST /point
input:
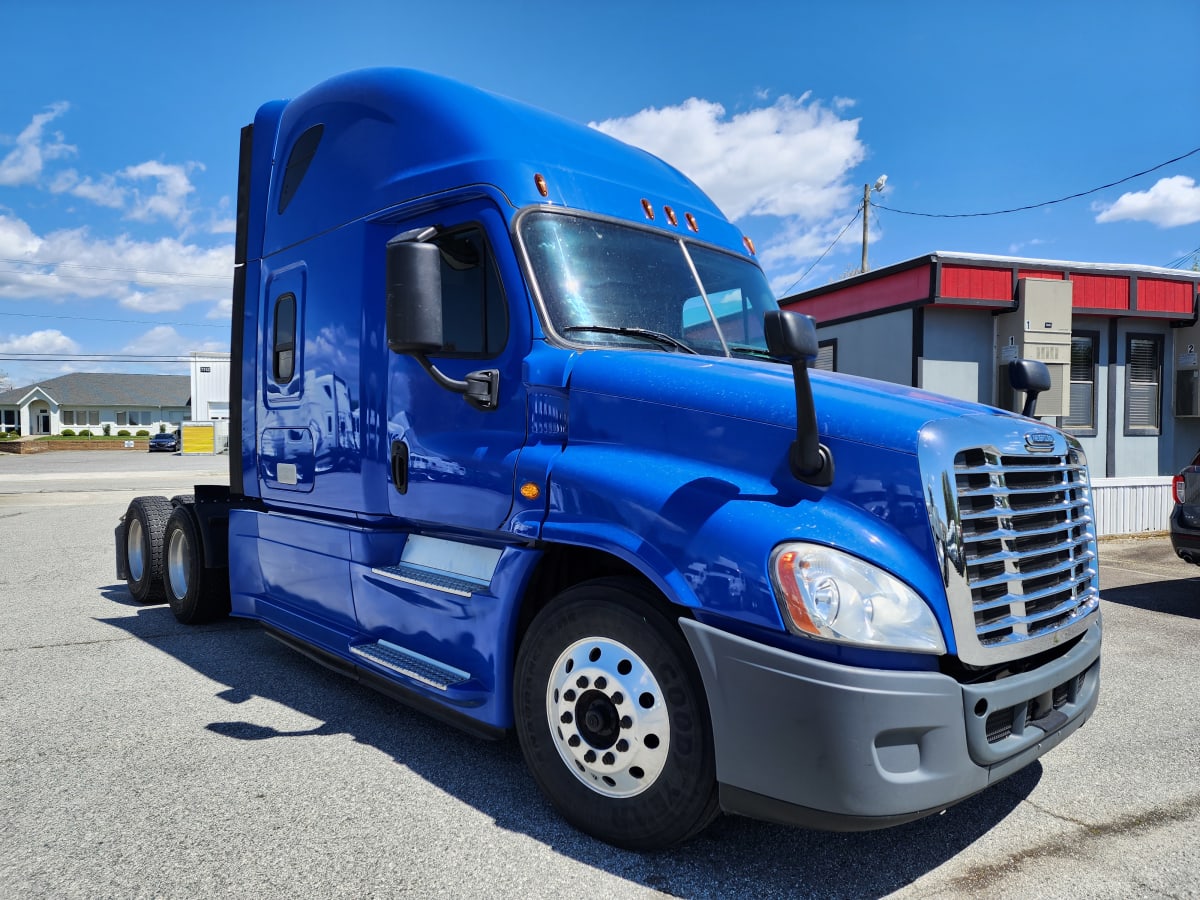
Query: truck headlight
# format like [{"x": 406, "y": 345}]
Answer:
[{"x": 829, "y": 594}]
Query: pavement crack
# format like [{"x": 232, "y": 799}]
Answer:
[
  {"x": 145, "y": 638},
  {"x": 982, "y": 879}
]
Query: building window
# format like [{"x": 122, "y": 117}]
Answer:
[
  {"x": 283, "y": 355},
  {"x": 66, "y": 416},
  {"x": 1082, "y": 417},
  {"x": 122, "y": 417},
  {"x": 826, "y": 359},
  {"x": 10, "y": 417},
  {"x": 93, "y": 417},
  {"x": 1143, "y": 383}
]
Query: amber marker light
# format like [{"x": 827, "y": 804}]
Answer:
[
  {"x": 540, "y": 181},
  {"x": 785, "y": 576},
  {"x": 648, "y": 209},
  {"x": 749, "y": 245},
  {"x": 670, "y": 215},
  {"x": 530, "y": 491},
  {"x": 691, "y": 220}
]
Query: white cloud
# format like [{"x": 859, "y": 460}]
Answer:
[
  {"x": 171, "y": 189},
  {"x": 789, "y": 159},
  {"x": 104, "y": 192},
  {"x": 1017, "y": 246},
  {"x": 48, "y": 341},
  {"x": 23, "y": 164},
  {"x": 162, "y": 275},
  {"x": 163, "y": 340},
  {"x": 1170, "y": 202}
]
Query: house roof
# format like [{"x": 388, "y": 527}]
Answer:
[{"x": 108, "y": 389}]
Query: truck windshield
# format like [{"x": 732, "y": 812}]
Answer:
[{"x": 616, "y": 285}]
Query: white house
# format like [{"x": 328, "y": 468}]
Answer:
[{"x": 93, "y": 400}]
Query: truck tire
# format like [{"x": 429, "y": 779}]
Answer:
[
  {"x": 145, "y": 522},
  {"x": 612, "y": 718},
  {"x": 196, "y": 594}
]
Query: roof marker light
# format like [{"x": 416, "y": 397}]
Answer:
[
  {"x": 749, "y": 245},
  {"x": 648, "y": 209},
  {"x": 691, "y": 220},
  {"x": 540, "y": 182},
  {"x": 670, "y": 215}
]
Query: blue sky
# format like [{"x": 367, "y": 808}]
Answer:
[{"x": 119, "y": 127}]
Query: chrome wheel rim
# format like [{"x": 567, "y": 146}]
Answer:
[
  {"x": 135, "y": 552},
  {"x": 177, "y": 564},
  {"x": 608, "y": 717}
]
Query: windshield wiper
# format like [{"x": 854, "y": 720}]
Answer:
[
  {"x": 658, "y": 337},
  {"x": 757, "y": 352}
]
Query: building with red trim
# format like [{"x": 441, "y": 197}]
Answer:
[{"x": 1121, "y": 342}]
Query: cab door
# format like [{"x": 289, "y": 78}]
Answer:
[{"x": 453, "y": 463}]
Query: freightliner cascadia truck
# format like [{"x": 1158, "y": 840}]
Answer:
[{"x": 520, "y": 437}]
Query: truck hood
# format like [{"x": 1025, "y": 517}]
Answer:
[{"x": 849, "y": 408}]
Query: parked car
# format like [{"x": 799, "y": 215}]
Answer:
[
  {"x": 165, "y": 440},
  {"x": 1185, "y": 516}
]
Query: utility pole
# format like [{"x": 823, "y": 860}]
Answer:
[
  {"x": 866, "y": 211},
  {"x": 866, "y": 214}
]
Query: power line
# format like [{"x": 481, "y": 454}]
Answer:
[
  {"x": 1001, "y": 212},
  {"x": 94, "y": 357},
  {"x": 121, "y": 321},
  {"x": 853, "y": 219},
  {"x": 66, "y": 265},
  {"x": 1180, "y": 260}
]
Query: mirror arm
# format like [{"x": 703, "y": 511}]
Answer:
[
  {"x": 810, "y": 460},
  {"x": 792, "y": 337},
  {"x": 481, "y": 389}
]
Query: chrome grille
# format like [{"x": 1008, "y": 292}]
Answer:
[{"x": 1015, "y": 537}]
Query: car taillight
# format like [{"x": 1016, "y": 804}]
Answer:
[{"x": 1177, "y": 488}]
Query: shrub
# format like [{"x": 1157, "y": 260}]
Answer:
[
  {"x": 107, "y": 430},
  {"x": 68, "y": 432},
  {"x": 143, "y": 433},
  {"x": 124, "y": 432},
  {"x": 85, "y": 433},
  {"x": 162, "y": 427}
]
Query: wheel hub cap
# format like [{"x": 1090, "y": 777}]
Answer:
[{"x": 608, "y": 717}]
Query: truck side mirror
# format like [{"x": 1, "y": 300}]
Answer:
[
  {"x": 791, "y": 336},
  {"x": 1032, "y": 377},
  {"x": 414, "y": 296},
  {"x": 414, "y": 315}
]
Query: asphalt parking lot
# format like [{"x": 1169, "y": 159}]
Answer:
[{"x": 142, "y": 758}]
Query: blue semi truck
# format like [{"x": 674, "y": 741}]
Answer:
[{"x": 519, "y": 436}]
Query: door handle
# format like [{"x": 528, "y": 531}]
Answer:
[{"x": 400, "y": 466}]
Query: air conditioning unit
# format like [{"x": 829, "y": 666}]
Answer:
[{"x": 1039, "y": 328}]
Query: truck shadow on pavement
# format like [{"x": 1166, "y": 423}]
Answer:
[
  {"x": 1178, "y": 597},
  {"x": 734, "y": 857}
]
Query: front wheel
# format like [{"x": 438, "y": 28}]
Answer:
[{"x": 612, "y": 720}]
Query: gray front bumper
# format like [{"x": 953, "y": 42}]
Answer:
[{"x": 812, "y": 743}]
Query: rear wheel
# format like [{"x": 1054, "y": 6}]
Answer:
[
  {"x": 612, "y": 720},
  {"x": 196, "y": 594},
  {"x": 145, "y": 522}
]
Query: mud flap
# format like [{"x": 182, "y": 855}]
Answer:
[{"x": 119, "y": 539}]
